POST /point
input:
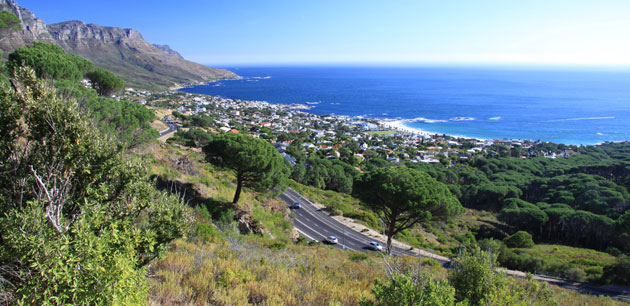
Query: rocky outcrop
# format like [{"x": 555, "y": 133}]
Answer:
[
  {"x": 33, "y": 28},
  {"x": 247, "y": 224},
  {"x": 167, "y": 49},
  {"x": 122, "y": 51}
]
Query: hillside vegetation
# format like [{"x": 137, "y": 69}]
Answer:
[{"x": 97, "y": 212}]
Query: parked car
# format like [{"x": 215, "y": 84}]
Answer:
[
  {"x": 332, "y": 240},
  {"x": 296, "y": 205},
  {"x": 375, "y": 246}
]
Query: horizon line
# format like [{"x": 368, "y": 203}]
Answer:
[{"x": 571, "y": 66}]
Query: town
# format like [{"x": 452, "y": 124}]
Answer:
[{"x": 350, "y": 139}]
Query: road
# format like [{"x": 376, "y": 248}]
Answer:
[
  {"x": 315, "y": 224},
  {"x": 172, "y": 126}
]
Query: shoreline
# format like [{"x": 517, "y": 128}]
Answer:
[
  {"x": 393, "y": 124},
  {"x": 400, "y": 125}
]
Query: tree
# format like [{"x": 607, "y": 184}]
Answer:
[
  {"x": 79, "y": 220},
  {"x": 8, "y": 21},
  {"x": 128, "y": 121},
  {"x": 255, "y": 162},
  {"x": 520, "y": 239},
  {"x": 49, "y": 61},
  {"x": 523, "y": 215},
  {"x": 405, "y": 197},
  {"x": 105, "y": 82}
]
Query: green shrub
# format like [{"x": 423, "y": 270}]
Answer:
[
  {"x": 205, "y": 232},
  {"x": 401, "y": 289},
  {"x": 520, "y": 239},
  {"x": 430, "y": 262},
  {"x": 575, "y": 274},
  {"x": 357, "y": 256},
  {"x": 85, "y": 220},
  {"x": 336, "y": 212},
  {"x": 277, "y": 245},
  {"x": 618, "y": 273}
]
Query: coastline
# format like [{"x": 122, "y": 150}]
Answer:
[
  {"x": 400, "y": 125},
  {"x": 177, "y": 86}
]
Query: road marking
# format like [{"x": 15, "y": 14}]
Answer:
[
  {"x": 305, "y": 234},
  {"x": 310, "y": 228}
]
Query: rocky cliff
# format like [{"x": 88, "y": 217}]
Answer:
[{"x": 122, "y": 51}]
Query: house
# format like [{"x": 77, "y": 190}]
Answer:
[{"x": 289, "y": 158}]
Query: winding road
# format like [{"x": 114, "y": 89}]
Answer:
[
  {"x": 172, "y": 126},
  {"x": 316, "y": 224}
]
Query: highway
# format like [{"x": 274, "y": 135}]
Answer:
[
  {"x": 172, "y": 126},
  {"x": 315, "y": 224}
]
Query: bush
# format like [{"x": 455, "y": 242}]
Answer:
[
  {"x": 618, "y": 273},
  {"x": 336, "y": 212},
  {"x": 430, "y": 262},
  {"x": 520, "y": 239},
  {"x": 205, "y": 232},
  {"x": 401, "y": 289},
  {"x": 80, "y": 221},
  {"x": 473, "y": 276},
  {"x": 277, "y": 245},
  {"x": 357, "y": 256},
  {"x": 476, "y": 283},
  {"x": 575, "y": 274}
]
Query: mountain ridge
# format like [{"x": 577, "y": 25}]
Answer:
[{"x": 122, "y": 51}]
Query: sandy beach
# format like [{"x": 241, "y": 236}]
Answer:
[{"x": 399, "y": 125}]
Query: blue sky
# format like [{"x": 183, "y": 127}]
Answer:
[{"x": 228, "y": 32}]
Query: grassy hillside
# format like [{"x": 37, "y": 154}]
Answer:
[{"x": 218, "y": 265}]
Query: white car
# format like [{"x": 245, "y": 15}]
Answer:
[
  {"x": 332, "y": 240},
  {"x": 375, "y": 246}
]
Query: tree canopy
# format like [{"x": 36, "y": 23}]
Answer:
[
  {"x": 105, "y": 82},
  {"x": 49, "y": 61},
  {"x": 405, "y": 197},
  {"x": 8, "y": 21},
  {"x": 256, "y": 163},
  {"x": 80, "y": 220}
]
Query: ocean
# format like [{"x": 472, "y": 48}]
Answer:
[{"x": 569, "y": 106}]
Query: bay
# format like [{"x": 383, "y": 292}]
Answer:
[{"x": 570, "y": 106}]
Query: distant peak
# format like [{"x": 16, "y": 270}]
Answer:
[
  {"x": 70, "y": 23},
  {"x": 168, "y": 50}
]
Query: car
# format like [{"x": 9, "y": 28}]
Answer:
[
  {"x": 332, "y": 240},
  {"x": 375, "y": 246},
  {"x": 296, "y": 205}
]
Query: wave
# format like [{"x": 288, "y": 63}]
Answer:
[
  {"x": 425, "y": 120},
  {"x": 600, "y": 134},
  {"x": 576, "y": 119},
  {"x": 462, "y": 119},
  {"x": 495, "y": 118}
]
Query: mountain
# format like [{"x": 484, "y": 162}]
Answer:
[
  {"x": 122, "y": 51},
  {"x": 167, "y": 49}
]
